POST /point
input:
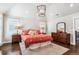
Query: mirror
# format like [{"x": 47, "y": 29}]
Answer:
[{"x": 61, "y": 26}]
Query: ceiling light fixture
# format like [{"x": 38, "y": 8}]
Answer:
[{"x": 71, "y": 5}]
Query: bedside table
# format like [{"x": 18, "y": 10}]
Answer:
[{"x": 16, "y": 38}]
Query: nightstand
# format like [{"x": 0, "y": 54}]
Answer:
[{"x": 16, "y": 38}]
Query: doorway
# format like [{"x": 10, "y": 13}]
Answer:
[{"x": 76, "y": 30}]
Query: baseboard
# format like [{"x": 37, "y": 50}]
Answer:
[
  {"x": 7, "y": 42},
  {"x": 1, "y": 44},
  {"x": 72, "y": 43}
]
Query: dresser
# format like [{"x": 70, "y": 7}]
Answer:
[{"x": 61, "y": 37}]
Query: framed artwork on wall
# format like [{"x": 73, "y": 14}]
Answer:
[{"x": 41, "y": 10}]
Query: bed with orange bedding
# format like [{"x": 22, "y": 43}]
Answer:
[{"x": 34, "y": 39}]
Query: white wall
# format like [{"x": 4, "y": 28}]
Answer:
[{"x": 69, "y": 24}]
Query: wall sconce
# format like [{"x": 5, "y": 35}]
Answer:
[{"x": 41, "y": 9}]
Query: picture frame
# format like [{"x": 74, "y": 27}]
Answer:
[{"x": 41, "y": 10}]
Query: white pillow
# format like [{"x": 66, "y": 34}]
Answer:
[{"x": 31, "y": 33}]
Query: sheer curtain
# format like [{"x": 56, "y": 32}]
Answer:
[
  {"x": 10, "y": 28},
  {"x": 1, "y": 28}
]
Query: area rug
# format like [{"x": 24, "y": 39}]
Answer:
[
  {"x": 0, "y": 52},
  {"x": 51, "y": 49}
]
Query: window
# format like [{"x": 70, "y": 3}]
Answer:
[{"x": 10, "y": 27}]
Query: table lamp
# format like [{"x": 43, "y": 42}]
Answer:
[{"x": 18, "y": 27}]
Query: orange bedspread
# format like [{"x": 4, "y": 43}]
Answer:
[{"x": 32, "y": 39}]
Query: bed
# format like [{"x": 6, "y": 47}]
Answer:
[{"x": 37, "y": 40}]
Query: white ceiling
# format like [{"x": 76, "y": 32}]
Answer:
[
  {"x": 25, "y": 9},
  {"x": 62, "y": 9}
]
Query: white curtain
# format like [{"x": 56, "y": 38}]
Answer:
[
  {"x": 1, "y": 28},
  {"x": 10, "y": 28}
]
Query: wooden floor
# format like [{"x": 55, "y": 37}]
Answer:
[
  {"x": 10, "y": 49},
  {"x": 14, "y": 49}
]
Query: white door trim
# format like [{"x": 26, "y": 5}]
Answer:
[
  {"x": 74, "y": 43},
  {"x": 74, "y": 40}
]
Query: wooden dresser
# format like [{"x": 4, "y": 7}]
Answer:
[
  {"x": 16, "y": 38},
  {"x": 62, "y": 37}
]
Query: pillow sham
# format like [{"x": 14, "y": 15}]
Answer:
[{"x": 31, "y": 32}]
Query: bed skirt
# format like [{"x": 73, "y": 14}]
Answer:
[{"x": 38, "y": 45}]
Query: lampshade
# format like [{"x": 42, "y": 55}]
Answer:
[{"x": 19, "y": 26}]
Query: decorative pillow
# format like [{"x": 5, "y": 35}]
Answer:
[
  {"x": 25, "y": 32},
  {"x": 31, "y": 32},
  {"x": 38, "y": 31}
]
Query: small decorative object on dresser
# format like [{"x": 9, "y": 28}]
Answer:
[{"x": 16, "y": 38}]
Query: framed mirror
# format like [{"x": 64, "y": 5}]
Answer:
[{"x": 61, "y": 26}]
